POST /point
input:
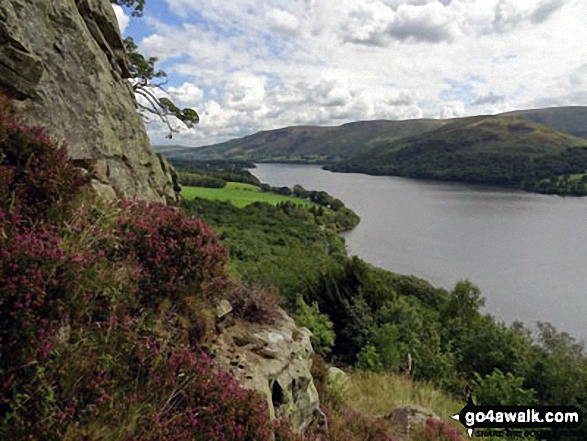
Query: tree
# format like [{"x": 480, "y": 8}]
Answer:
[
  {"x": 137, "y": 4},
  {"x": 499, "y": 389},
  {"x": 146, "y": 79},
  {"x": 319, "y": 324}
]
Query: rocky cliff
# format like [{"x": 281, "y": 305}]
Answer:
[
  {"x": 276, "y": 361},
  {"x": 64, "y": 61}
]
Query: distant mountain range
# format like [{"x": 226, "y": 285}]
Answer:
[{"x": 521, "y": 148}]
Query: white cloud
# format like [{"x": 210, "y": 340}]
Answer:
[
  {"x": 452, "y": 110},
  {"x": 187, "y": 94},
  {"x": 273, "y": 63},
  {"x": 283, "y": 21},
  {"x": 121, "y": 17},
  {"x": 431, "y": 22}
]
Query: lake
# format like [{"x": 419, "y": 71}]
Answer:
[{"x": 527, "y": 252}]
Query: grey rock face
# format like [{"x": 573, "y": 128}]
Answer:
[
  {"x": 64, "y": 61},
  {"x": 274, "y": 360}
]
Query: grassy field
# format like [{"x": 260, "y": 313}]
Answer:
[{"x": 239, "y": 195}]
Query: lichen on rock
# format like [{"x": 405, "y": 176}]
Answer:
[
  {"x": 274, "y": 360},
  {"x": 65, "y": 63}
]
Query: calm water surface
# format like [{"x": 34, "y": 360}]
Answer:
[{"x": 527, "y": 252}]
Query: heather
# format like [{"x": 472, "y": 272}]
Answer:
[{"x": 105, "y": 310}]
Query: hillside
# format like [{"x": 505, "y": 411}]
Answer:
[
  {"x": 572, "y": 120},
  {"x": 307, "y": 143},
  {"x": 312, "y": 144},
  {"x": 540, "y": 150},
  {"x": 499, "y": 150}
]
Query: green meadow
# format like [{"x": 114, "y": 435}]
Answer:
[{"x": 240, "y": 195}]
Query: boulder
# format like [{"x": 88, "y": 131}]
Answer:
[
  {"x": 408, "y": 417},
  {"x": 65, "y": 64},
  {"x": 274, "y": 360},
  {"x": 338, "y": 382}
]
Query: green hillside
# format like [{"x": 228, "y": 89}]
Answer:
[
  {"x": 500, "y": 150},
  {"x": 312, "y": 144},
  {"x": 542, "y": 150},
  {"x": 572, "y": 120},
  {"x": 306, "y": 143}
]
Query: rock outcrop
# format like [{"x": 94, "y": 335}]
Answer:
[
  {"x": 408, "y": 417},
  {"x": 274, "y": 360},
  {"x": 65, "y": 62}
]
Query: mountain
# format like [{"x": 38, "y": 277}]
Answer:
[
  {"x": 307, "y": 143},
  {"x": 333, "y": 144},
  {"x": 572, "y": 120},
  {"x": 502, "y": 150},
  {"x": 539, "y": 149}
]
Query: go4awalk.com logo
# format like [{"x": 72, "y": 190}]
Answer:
[{"x": 518, "y": 417}]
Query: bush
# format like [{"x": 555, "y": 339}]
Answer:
[
  {"x": 180, "y": 257},
  {"x": 50, "y": 286},
  {"x": 200, "y": 180},
  {"x": 36, "y": 174},
  {"x": 350, "y": 425},
  {"x": 369, "y": 359},
  {"x": 256, "y": 304},
  {"x": 319, "y": 324},
  {"x": 498, "y": 389},
  {"x": 198, "y": 402},
  {"x": 437, "y": 430}
]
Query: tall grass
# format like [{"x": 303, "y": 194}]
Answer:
[{"x": 377, "y": 394}]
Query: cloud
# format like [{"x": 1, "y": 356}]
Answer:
[
  {"x": 509, "y": 14},
  {"x": 545, "y": 9},
  {"x": 452, "y": 110},
  {"x": 121, "y": 17},
  {"x": 368, "y": 24},
  {"x": 403, "y": 99},
  {"x": 187, "y": 94},
  {"x": 256, "y": 65},
  {"x": 431, "y": 23},
  {"x": 491, "y": 98},
  {"x": 283, "y": 21},
  {"x": 379, "y": 24}
]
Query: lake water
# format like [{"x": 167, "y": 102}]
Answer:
[{"x": 527, "y": 252}]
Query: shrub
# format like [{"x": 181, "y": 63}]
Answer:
[
  {"x": 39, "y": 278},
  {"x": 35, "y": 173},
  {"x": 256, "y": 304},
  {"x": 179, "y": 256},
  {"x": 198, "y": 402},
  {"x": 200, "y": 180},
  {"x": 369, "y": 359},
  {"x": 498, "y": 389},
  {"x": 51, "y": 285},
  {"x": 437, "y": 430},
  {"x": 349, "y": 425},
  {"x": 319, "y": 324}
]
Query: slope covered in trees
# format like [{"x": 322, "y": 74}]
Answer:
[
  {"x": 501, "y": 150},
  {"x": 306, "y": 143},
  {"x": 375, "y": 320},
  {"x": 540, "y": 150}
]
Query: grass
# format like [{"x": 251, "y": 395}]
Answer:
[
  {"x": 240, "y": 195},
  {"x": 377, "y": 394}
]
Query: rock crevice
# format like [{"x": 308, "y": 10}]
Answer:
[{"x": 276, "y": 361}]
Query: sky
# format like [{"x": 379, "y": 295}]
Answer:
[{"x": 252, "y": 65}]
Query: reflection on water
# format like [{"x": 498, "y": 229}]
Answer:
[{"x": 527, "y": 252}]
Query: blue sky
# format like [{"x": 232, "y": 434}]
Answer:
[{"x": 250, "y": 65}]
